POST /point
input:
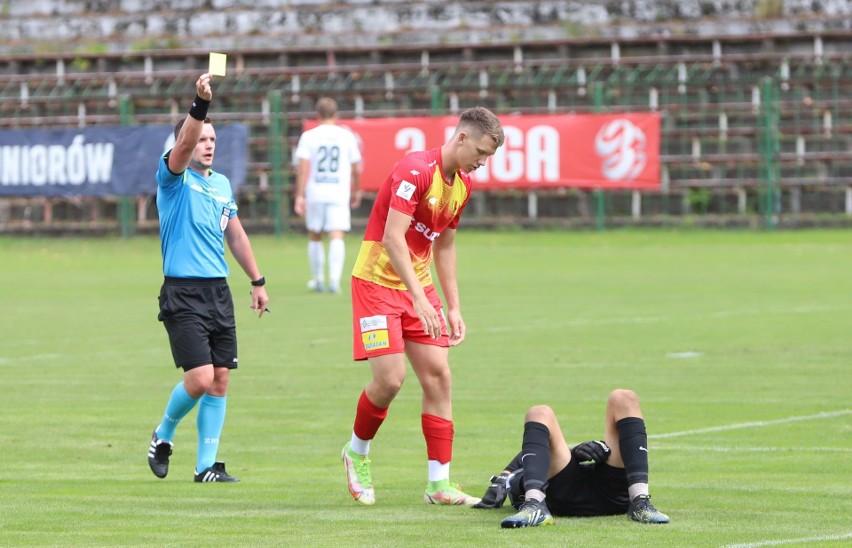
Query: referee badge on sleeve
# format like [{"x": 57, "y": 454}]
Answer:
[{"x": 223, "y": 220}]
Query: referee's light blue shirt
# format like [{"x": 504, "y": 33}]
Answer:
[{"x": 194, "y": 212}]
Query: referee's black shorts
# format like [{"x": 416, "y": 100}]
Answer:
[{"x": 198, "y": 314}]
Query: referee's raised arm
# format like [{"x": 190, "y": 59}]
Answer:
[{"x": 187, "y": 135}]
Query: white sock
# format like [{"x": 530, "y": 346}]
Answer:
[
  {"x": 316, "y": 259},
  {"x": 438, "y": 471},
  {"x": 536, "y": 494},
  {"x": 357, "y": 445},
  {"x": 336, "y": 258},
  {"x": 637, "y": 489}
]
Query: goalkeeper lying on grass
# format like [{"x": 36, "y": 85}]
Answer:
[{"x": 595, "y": 478}]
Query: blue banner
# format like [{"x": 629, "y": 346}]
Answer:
[{"x": 103, "y": 160}]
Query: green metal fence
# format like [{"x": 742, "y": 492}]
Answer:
[{"x": 743, "y": 137}]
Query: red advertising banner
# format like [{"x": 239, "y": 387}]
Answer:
[{"x": 606, "y": 151}]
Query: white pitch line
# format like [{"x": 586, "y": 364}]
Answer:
[
  {"x": 34, "y": 357},
  {"x": 579, "y": 322},
  {"x": 789, "y": 541},
  {"x": 715, "y": 449},
  {"x": 528, "y": 325},
  {"x": 755, "y": 424}
]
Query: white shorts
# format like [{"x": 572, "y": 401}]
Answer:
[{"x": 325, "y": 217}]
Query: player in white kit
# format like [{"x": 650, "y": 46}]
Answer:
[{"x": 327, "y": 188}]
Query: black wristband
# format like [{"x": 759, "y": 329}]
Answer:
[
  {"x": 199, "y": 108},
  {"x": 260, "y": 282}
]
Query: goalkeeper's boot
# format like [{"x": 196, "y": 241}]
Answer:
[
  {"x": 215, "y": 473},
  {"x": 643, "y": 511},
  {"x": 158, "y": 455},
  {"x": 532, "y": 514},
  {"x": 445, "y": 493},
  {"x": 358, "y": 476}
]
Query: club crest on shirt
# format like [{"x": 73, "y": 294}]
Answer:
[{"x": 223, "y": 220}]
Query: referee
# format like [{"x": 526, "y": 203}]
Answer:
[{"x": 197, "y": 214}]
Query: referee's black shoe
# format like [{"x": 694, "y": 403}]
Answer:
[
  {"x": 215, "y": 473},
  {"x": 158, "y": 455}
]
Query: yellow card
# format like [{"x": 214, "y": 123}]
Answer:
[{"x": 218, "y": 62}]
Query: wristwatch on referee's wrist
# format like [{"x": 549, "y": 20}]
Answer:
[{"x": 260, "y": 282}]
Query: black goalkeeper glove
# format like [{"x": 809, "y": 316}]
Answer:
[
  {"x": 590, "y": 453},
  {"x": 496, "y": 494}
]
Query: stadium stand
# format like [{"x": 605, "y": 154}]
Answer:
[{"x": 711, "y": 91}]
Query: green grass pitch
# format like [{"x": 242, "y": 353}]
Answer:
[{"x": 738, "y": 344}]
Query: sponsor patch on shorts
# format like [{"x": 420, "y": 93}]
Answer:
[
  {"x": 371, "y": 323},
  {"x": 375, "y": 340}
]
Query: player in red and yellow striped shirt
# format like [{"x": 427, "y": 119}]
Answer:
[{"x": 396, "y": 309}]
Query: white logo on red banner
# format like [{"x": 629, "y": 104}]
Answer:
[
  {"x": 559, "y": 150},
  {"x": 621, "y": 144}
]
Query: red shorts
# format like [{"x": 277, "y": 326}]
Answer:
[{"x": 383, "y": 319}]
